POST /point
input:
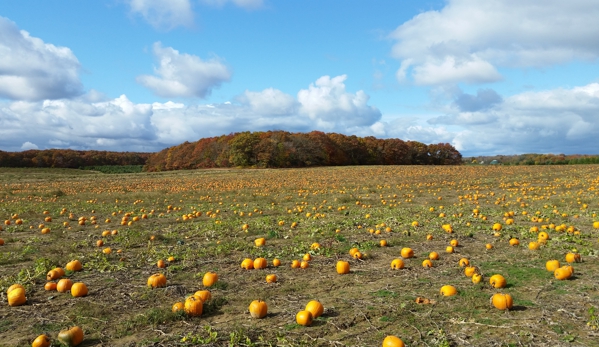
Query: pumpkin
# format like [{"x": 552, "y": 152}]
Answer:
[
  {"x": 276, "y": 262},
  {"x": 157, "y": 280},
  {"x": 497, "y": 281},
  {"x": 489, "y": 246},
  {"x": 307, "y": 257},
  {"x": 64, "y": 285},
  {"x": 260, "y": 242},
  {"x": 71, "y": 337},
  {"x": 315, "y": 308},
  {"x": 357, "y": 255},
  {"x": 193, "y": 306},
  {"x": 260, "y": 263},
  {"x": 352, "y": 251},
  {"x": 304, "y": 318},
  {"x": 469, "y": 271},
  {"x": 209, "y": 279},
  {"x": 433, "y": 256},
  {"x": 78, "y": 289},
  {"x": 551, "y": 265},
  {"x": 533, "y": 245},
  {"x": 407, "y": 252},
  {"x": 295, "y": 264},
  {"x": 247, "y": 264},
  {"x": 573, "y": 258},
  {"x": 53, "y": 275},
  {"x": 16, "y": 296},
  {"x": 41, "y": 341},
  {"x": 429, "y": 237},
  {"x": 74, "y": 265},
  {"x": 14, "y": 286},
  {"x": 497, "y": 227},
  {"x": 543, "y": 236},
  {"x": 383, "y": 243},
  {"x": 449, "y": 249},
  {"x": 342, "y": 267},
  {"x": 161, "y": 264},
  {"x": 562, "y": 273},
  {"x": 514, "y": 241},
  {"x": 258, "y": 309},
  {"x": 427, "y": 263},
  {"x": 476, "y": 278},
  {"x": 464, "y": 262},
  {"x": 448, "y": 290},
  {"x": 502, "y": 301},
  {"x": 397, "y": 264},
  {"x": 178, "y": 306},
  {"x": 272, "y": 278},
  {"x": 304, "y": 264},
  {"x": 393, "y": 341},
  {"x": 454, "y": 243},
  {"x": 203, "y": 295},
  {"x": 49, "y": 286}
]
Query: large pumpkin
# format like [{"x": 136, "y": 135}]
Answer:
[
  {"x": 71, "y": 337},
  {"x": 315, "y": 308},
  {"x": 16, "y": 296},
  {"x": 209, "y": 279},
  {"x": 194, "y": 306},
  {"x": 74, "y": 265},
  {"x": 64, "y": 285},
  {"x": 157, "y": 280},
  {"x": 78, "y": 289},
  {"x": 342, "y": 267},
  {"x": 502, "y": 301},
  {"x": 393, "y": 341},
  {"x": 258, "y": 309}
]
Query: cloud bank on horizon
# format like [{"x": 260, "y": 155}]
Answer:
[{"x": 489, "y": 77}]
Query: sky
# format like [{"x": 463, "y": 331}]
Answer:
[{"x": 489, "y": 77}]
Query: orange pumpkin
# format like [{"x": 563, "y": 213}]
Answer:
[
  {"x": 203, "y": 295},
  {"x": 552, "y": 265},
  {"x": 71, "y": 337},
  {"x": 497, "y": 281},
  {"x": 464, "y": 262},
  {"x": 393, "y": 341},
  {"x": 315, "y": 308},
  {"x": 64, "y": 285},
  {"x": 178, "y": 306},
  {"x": 209, "y": 279},
  {"x": 448, "y": 290},
  {"x": 74, "y": 265},
  {"x": 78, "y": 289},
  {"x": 272, "y": 278},
  {"x": 258, "y": 309},
  {"x": 16, "y": 296},
  {"x": 342, "y": 267},
  {"x": 41, "y": 341},
  {"x": 502, "y": 301},
  {"x": 50, "y": 286},
  {"x": 276, "y": 262},
  {"x": 573, "y": 258},
  {"x": 193, "y": 306},
  {"x": 407, "y": 252},
  {"x": 260, "y": 263},
  {"x": 247, "y": 264},
  {"x": 397, "y": 264},
  {"x": 304, "y": 318},
  {"x": 433, "y": 256},
  {"x": 157, "y": 280}
]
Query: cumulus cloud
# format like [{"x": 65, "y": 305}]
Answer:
[
  {"x": 164, "y": 14},
  {"x": 484, "y": 99},
  {"x": 31, "y": 69},
  {"x": 120, "y": 124},
  {"x": 184, "y": 75},
  {"x": 468, "y": 39},
  {"x": 327, "y": 102}
]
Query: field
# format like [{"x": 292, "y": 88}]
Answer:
[{"x": 208, "y": 221}]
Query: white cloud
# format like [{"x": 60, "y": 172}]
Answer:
[
  {"x": 28, "y": 145},
  {"x": 164, "y": 14},
  {"x": 184, "y": 75},
  {"x": 33, "y": 70},
  {"x": 327, "y": 102},
  {"x": 468, "y": 39},
  {"x": 247, "y": 4},
  {"x": 120, "y": 124}
]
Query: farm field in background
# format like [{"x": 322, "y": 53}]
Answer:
[{"x": 119, "y": 226}]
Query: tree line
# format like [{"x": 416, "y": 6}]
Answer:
[
  {"x": 278, "y": 149},
  {"x": 537, "y": 159},
  {"x": 68, "y": 158}
]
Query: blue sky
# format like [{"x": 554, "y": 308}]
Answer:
[{"x": 489, "y": 77}]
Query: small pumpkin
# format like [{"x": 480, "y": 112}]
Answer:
[
  {"x": 78, "y": 289},
  {"x": 407, "y": 252},
  {"x": 157, "y": 280},
  {"x": 502, "y": 301},
  {"x": 161, "y": 264},
  {"x": 74, "y": 265},
  {"x": 514, "y": 241},
  {"x": 469, "y": 271},
  {"x": 71, "y": 337},
  {"x": 427, "y": 263},
  {"x": 497, "y": 281},
  {"x": 247, "y": 264},
  {"x": 533, "y": 245},
  {"x": 193, "y": 306},
  {"x": 260, "y": 242},
  {"x": 393, "y": 341},
  {"x": 449, "y": 249},
  {"x": 304, "y": 318},
  {"x": 476, "y": 278},
  {"x": 304, "y": 264},
  {"x": 16, "y": 296},
  {"x": 209, "y": 279},
  {"x": 397, "y": 264},
  {"x": 49, "y": 286},
  {"x": 464, "y": 262},
  {"x": 454, "y": 243},
  {"x": 42, "y": 341},
  {"x": 64, "y": 285},
  {"x": 203, "y": 295},
  {"x": 342, "y": 267},
  {"x": 260, "y": 263},
  {"x": 448, "y": 290},
  {"x": 258, "y": 309},
  {"x": 178, "y": 306},
  {"x": 276, "y": 262},
  {"x": 551, "y": 265},
  {"x": 433, "y": 256},
  {"x": 53, "y": 275},
  {"x": 573, "y": 258},
  {"x": 272, "y": 278},
  {"x": 295, "y": 264},
  {"x": 315, "y": 308}
]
